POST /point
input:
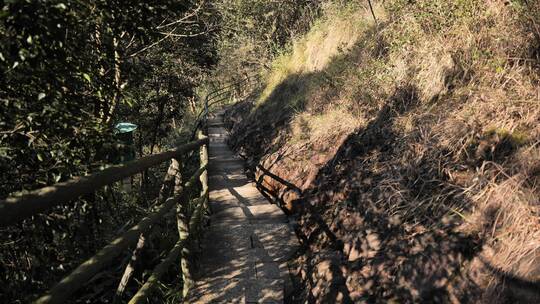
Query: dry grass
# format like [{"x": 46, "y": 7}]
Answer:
[
  {"x": 465, "y": 146},
  {"x": 334, "y": 34},
  {"x": 507, "y": 216},
  {"x": 324, "y": 127}
]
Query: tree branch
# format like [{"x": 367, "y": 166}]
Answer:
[{"x": 183, "y": 19}]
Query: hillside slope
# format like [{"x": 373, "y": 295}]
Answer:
[{"x": 414, "y": 142}]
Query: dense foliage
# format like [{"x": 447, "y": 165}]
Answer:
[
  {"x": 67, "y": 68},
  {"x": 71, "y": 70},
  {"x": 253, "y": 32}
]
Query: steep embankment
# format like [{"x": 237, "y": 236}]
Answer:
[{"x": 415, "y": 144}]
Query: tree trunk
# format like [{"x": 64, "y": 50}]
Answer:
[
  {"x": 116, "y": 82},
  {"x": 159, "y": 120}
]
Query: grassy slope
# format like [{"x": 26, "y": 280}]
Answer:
[{"x": 417, "y": 142}]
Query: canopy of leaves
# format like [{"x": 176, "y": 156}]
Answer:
[
  {"x": 70, "y": 70},
  {"x": 66, "y": 64}
]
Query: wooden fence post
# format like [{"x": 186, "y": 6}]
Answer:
[
  {"x": 204, "y": 162},
  {"x": 183, "y": 230},
  {"x": 144, "y": 293},
  {"x": 164, "y": 193}
]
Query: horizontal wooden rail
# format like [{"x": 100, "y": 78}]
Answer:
[
  {"x": 17, "y": 208},
  {"x": 211, "y": 97},
  {"x": 78, "y": 277},
  {"x": 218, "y": 101},
  {"x": 224, "y": 90},
  {"x": 248, "y": 79}
]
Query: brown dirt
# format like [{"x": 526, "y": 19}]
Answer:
[{"x": 363, "y": 242}]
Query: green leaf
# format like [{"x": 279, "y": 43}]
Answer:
[
  {"x": 61, "y": 6},
  {"x": 87, "y": 77},
  {"x": 40, "y": 157},
  {"x": 41, "y": 96}
]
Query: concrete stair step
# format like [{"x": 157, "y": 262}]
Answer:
[
  {"x": 226, "y": 290},
  {"x": 248, "y": 243}
]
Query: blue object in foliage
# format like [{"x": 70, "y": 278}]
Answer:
[
  {"x": 125, "y": 127},
  {"x": 125, "y": 148}
]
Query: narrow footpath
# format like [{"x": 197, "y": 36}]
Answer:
[{"x": 246, "y": 248}]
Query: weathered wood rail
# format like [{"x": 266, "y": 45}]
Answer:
[
  {"x": 219, "y": 95},
  {"x": 61, "y": 292},
  {"x": 190, "y": 214},
  {"x": 17, "y": 208}
]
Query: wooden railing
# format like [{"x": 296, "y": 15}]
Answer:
[
  {"x": 219, "y": 95},
  {"x": 174, "y": 193},
  {"x": 17, "y": 208},
  {"x": 278, "y": 200},
  {"x": 39, "y": 200}
]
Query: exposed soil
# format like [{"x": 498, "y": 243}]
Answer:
[{"x": 378, "y": 219}]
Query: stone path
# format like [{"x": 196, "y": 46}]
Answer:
[{"x": 248, "y": 243}]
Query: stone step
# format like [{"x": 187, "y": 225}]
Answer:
[
  {"x": 219, "y": 204},
  {"x": 224, "y": 290},
  {"x": 276, "y": 240},
  {"x": 248, "y": 243}
]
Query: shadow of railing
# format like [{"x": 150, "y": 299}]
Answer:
[{"x": 277, "y": 198}]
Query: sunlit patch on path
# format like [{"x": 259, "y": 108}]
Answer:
[{"x": 246, "y": 248}]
